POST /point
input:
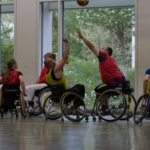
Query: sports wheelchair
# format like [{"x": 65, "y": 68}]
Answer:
[
  {"x": 118, "y": 100},
  {"x": 64, "y": 103},
  {"x": 34, "y": 107},
  {"x": 12, "y": 100}
]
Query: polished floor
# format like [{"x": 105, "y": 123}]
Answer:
[{"x": 35, "y": 133}]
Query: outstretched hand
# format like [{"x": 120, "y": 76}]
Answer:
[
  {"x": 79, "y": 34},
  {"x": 65, "y": 39}
]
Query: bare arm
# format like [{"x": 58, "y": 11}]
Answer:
[
  {"x": 59, "y": 66},
  {"x": 145, "y": 83},
  {"x": 88, "y": 43},
  {"x": 22, "y": 85},
  {"x": 37, "y": 81}
]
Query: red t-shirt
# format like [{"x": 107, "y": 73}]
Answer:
[
  {"x": 43, "y": 75},
  {"x": 108, "y": 67},
  {"x": 13, "y": 78}
]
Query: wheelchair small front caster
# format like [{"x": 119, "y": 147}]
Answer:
[
  {"x": 62, "y": 119},
  {"x": 46, "y": 117},
  {"x": 94, "y": 118},
  {"x": 99, "y": 118},
  {"x": 87, "y": 118}
]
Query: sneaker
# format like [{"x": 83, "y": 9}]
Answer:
[
  {"x": 79, "y": 111},
  {"x": 55, "y": 113},
  {"x": 31, "y": 110},
  {"x": 104, "y": 111}
]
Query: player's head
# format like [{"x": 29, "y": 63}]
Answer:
[
  {"x": 50, "y": 55},
  {"x": 49, "y": 63},
  {"x": 110, "y": 51},
  {"x": 107, "y": 50}
]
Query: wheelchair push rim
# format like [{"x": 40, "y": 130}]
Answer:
[
  {"x": 73, "y": 106},
  {"x": 116, "y": 105},
  {"x": 141, "y": 109},
  {"x": 51, "y": 110}
]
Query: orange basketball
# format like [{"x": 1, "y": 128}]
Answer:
[{"x": 82, "y": 2}]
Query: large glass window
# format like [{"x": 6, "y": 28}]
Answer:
[
  {"x": 112, "y": 26},
  {"x": 49, "y": 28},
  {"x": 6, "y": 35}
]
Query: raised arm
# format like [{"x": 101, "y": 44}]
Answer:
[
  {"x": 88, "y": 43},
  {"x": 59, "y": 66}
]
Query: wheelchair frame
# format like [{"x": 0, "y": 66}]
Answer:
[
  {"x": 122, "y": 90},
  {"x": 40, "y": 94},
  {"x": 141, "y": 108},
  {"x": 66, "y": 101},
  {"x": 19, "y": 100}
]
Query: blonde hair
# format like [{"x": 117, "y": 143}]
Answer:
[
  {"x": 9, "y": 67},
  {"x": 50, "y": 55}
]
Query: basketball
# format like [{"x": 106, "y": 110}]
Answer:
[{"x": 82, "y": 2}]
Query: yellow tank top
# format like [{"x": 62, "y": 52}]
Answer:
[{"x": 51, "y": 81}]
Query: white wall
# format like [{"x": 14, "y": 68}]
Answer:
[
  {"x": 142, "y": 42},
  {"x": 26, "y": 50}
]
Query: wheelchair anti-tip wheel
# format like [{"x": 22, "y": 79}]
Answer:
[
  {"x": 140, "y": 109},
  {"x": 73, "y": 106},
  {"x": 51, "y": 110},
  {"x": 115, "y": 102}
]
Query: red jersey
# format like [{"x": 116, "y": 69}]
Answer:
[
  {"x": 108, "y": 68},
  {"x": 43, "y": 75},
  {"x": 13, "y": 78}
]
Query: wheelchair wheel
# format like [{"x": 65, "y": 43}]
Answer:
[
  {"x": 22, "y": 106},
  {"x": 129, "y": 113},
  {"x": 141, "y": 109},
  {"x": 43, "y": 95},
  {"x": 116, "y": 105},
  {"x": 50, "y": 110},
  {"x": 73, "y": 106}
]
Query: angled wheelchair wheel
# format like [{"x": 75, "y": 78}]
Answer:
[
  {"x": 43, "y": 96},
  {"x": 116, "y": 105},
  {"x": 51, "y": 110},
  {"x": 73, "y": 106},
  {"x": 129, "y": 113},
  {"x": 22, "y": 106},
  {"x": 35, "y": 108},
  {"x": 141, "y": 109}
]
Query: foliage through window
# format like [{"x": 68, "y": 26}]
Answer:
[{"x": 113, "y": 27}]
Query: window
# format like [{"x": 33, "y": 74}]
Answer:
[
  {"x": 7, "y": 35},
  {"x": 108, "y": 26}
]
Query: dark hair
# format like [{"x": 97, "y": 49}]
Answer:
[
  {"x": 50, "y": 55},
  {"x": 110, "y": 51},
  {"x": 10, "y": 64}
]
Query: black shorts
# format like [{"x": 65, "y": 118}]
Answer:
[{"x": 102, "y": 87}]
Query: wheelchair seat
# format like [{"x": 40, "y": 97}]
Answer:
[
  {"x": 64, "y": 102},
  {"x": 10, "y": 93},
  {"x": 124, "y": 87},
  {"x": 57, "y": 92}
]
